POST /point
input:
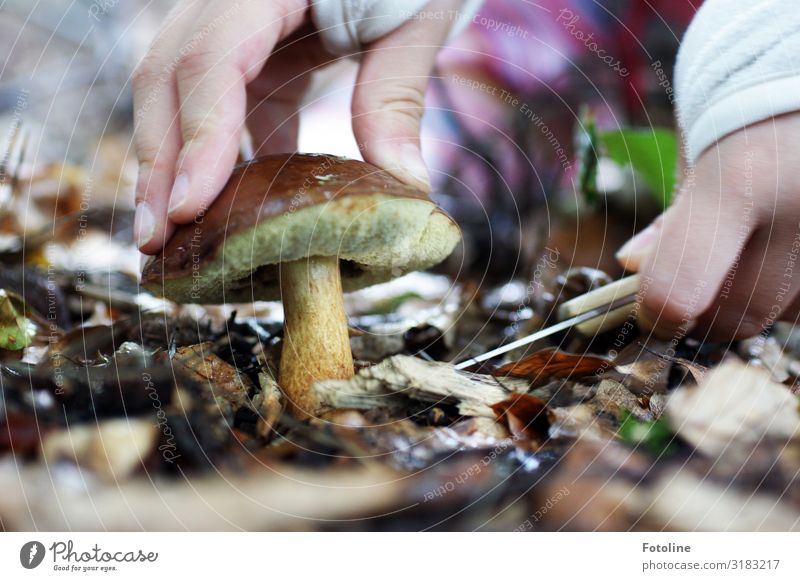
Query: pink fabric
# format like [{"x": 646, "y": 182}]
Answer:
[{"x": 547, "y": 56}]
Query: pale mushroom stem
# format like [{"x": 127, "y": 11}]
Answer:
[{"x": 316, "y": 342}]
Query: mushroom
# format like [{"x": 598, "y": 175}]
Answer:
[{"x": 303, "y": 229}]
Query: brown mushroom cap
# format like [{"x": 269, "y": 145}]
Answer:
[{"x": 291, "y": 206}]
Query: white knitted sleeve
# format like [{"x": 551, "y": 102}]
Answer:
[
  {"x": 739, "y": 63},
  {"x": 346, "y": 25}
]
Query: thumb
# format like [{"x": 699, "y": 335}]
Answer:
[
  {"x": 632, "y": 254},
  {"x": 389, "y": 95}
]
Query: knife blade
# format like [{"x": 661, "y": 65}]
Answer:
[{"x": 605, "y": 307}]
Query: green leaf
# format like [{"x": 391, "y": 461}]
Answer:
[
  {"x": 16, "y": 331},
  {"x": 653, "y": 154},
  {"x": 587, "y": 148},
  {"x": 655, "y": 437}
]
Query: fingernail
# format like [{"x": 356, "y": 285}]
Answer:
[
  {"x": 179, "y": 194},
  {"x": 411, "y": 163},
  {"x": 631, "y": 253},
  {"x": 144, "y": 224}
]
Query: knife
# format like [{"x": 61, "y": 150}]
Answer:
[{"x": 594, "y": 312}]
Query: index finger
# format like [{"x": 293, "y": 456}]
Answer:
[{"x": 211, "y": 80}]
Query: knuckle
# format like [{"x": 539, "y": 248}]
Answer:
[
  {"x": 198, "y": 128},
  {"x": 675, "y": 305},
  {"x": 402, "y": 99},
  {"x": 195, "y": 65},
  {"x": 155, "y": 165},
  {"x": 149, "y": 73},
  {"x": 146, "y": 146},
  {"x": 146, "y": 153},
  {"x": 194, "y": 129},
  {"x": 151, "y": 142}
]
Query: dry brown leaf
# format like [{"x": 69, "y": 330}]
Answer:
[
  {"x": 548, "y": 364},
  {"x": 223, "y": 378},
  {"x": 582, "y": 421},
  {"x": 526, "y": 417},
  {"x": 645, "y": 368},
  {"x": 614, "y": 398},
  {"x": 697, "y": 371},
  {"x": 642, "y": 368},
  {"x": 734, "y": 408}
]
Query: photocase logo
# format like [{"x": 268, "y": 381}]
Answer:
[{"x": 31, "y": 554}]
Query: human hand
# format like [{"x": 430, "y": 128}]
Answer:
[
  {"x": 723, "y": 259},
  {"x": 217, "y": 66}
]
